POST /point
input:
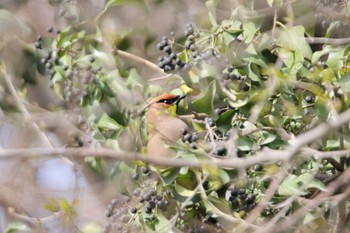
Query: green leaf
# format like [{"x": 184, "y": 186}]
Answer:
[
  {"x": 211, "y": 5},
  {"x": 335, "y": 59},
  {"x": 249, "y": 31},
  {"x": 266, "y": 138},
  {"x": 206, "y": 103},
  {"x": 169, "y": 175},
  {"x": 253, "y": 72},
  {"x": 223, "y": 123},
  {"x": 107, "y": 123},
  {"x": 298, "y": 185},
  {"x": 244, "y": 143},
  {"x": 293, "y": 60},
  {"x": 293, "y": 39},
  {"x": 325, "y": 50},
  {"x": 321, "y": 109},
  {"x": 228, "y": 38},
  {"x": 95, "y": 164},
  {"x": 184, "y": 192},
  {"x": 13, "y": 227},
  {"x": 52, "y": 205},
  {"x": 344, "y": 82},
  {"x": 113, "y": 3},
  {"x": 290, "y": 187}
]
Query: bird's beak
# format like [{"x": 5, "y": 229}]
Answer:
[{"x": 179, "y": 98}]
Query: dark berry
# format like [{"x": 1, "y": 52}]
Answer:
[
  {"x": 234, "y": 77},
  {"x": 153, "y": 192},
  {"x": 210, "y": 121},
  {"x": 308, "y": 99},
  {"x": 151, "y": 204},
  {"x": 146, "y": 197},
  {"x": 167, "y": 49},
  {"x": 235, "y": 204},
  {"x": 50, "y": 29},
  {"x": 250, "y": 199},
  {"x": 133, "y": 210},
  {"x": 144, "y": 170},
  {"x": 226, "y": 76},
  {"x": 241, "y": 191},
  {"x": 234, "y": 193},
  {"x": 48, "y": 65},
  {"x": 194, "y": 137},
  {"x": 193, "y": 146},
  {"x": 135, "y": 176},
  {"x": 188, "y": 44},
  {"x": 147, "y": 210},
  {"x": 92, "y": 59},
  {"x": 43, "y": 60},
  {"x": 192, "y": 47},
  {"x": 230, "y": 69},
  {"x": 64, "y": 67},
  {"x": 160, "y": 46},
  {"x": 37, "y": 44},
  {"x": 244, "y": 87},
  {"x": 187, "y": 138},
  {"x": 221, "y": 151},
  {"x": 189, "y": 31}
]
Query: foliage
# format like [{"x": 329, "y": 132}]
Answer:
[{"x": 248, "y": 91}]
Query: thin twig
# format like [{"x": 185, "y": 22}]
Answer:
[
  {"x": 341, "y": 181},
  {"x": 25, "y": 112},
  {"x": 324, "y": 40},
  {"x": 139, "y": 60}
]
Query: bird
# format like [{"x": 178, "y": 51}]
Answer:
[{"x": 163, "y": 127}]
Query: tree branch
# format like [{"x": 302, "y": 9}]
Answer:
[{"x": 324, "y": 40}]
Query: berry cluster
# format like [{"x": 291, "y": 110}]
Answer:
[
  {"x": 149, "y": 200},
  {"x": 75, "y": 79},
  {"x": 232, "y": 74},
  {"x": 170, "y": 61},
  {"x": 202, "y": 223},
  {"x": 38, "y": 42},
  {"x": 49, "y": 60},
  {"x": 191, "y": 36},
  {"x": 241, "y": 200},
  {"x": 190, "y": 138},
  {"x": 117, "y": 211}
]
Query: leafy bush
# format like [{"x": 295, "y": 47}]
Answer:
[{"x": 269, "y": 109}]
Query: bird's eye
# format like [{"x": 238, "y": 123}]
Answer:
[{"x": 166, "y": 101}]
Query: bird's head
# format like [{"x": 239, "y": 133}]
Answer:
[{"x": 166, "y": 103}]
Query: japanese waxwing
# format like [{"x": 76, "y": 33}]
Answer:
[{"x": 163, "y": 127}]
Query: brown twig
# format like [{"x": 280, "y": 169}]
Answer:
[
  {"x": 324, "y": 40},
  {"x": 342, "y": 180}
]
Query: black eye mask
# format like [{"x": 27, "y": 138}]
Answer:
[
  {"x": 174, "y": 100},
  {"x": 168, "y": 101}
]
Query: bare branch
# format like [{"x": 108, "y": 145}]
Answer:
[
  {"x": 25, "y": 112},
  {"x": 324, "y": 40},
  {"x": 341, "y": 181},
  {"x": 139, "y": 60}
]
